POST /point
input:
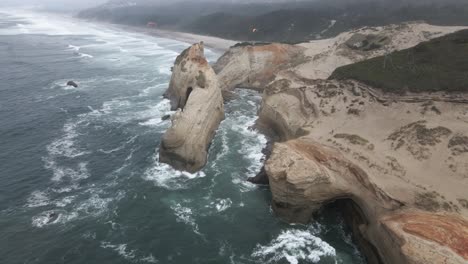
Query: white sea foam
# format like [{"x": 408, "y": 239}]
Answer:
[
  {"x": 185, "y": 215},
  {"x": 75, "y": 48},
  {"x": 157, "y": 87},
  {"x": 65, "y": 146},
  {"x": 128, "y": 254},
  {"x": 70, "y": 208},
  {"x": 121, "y": 147},
  {"x": 149, "y": 259},
  {"x": 252, "y": 144},
  {"x": 224, "y": 144},
  {"x": 42, "y": 198},
  {"x": 86, "y": 56},
  {"x": 154, "y": 114},
  {"x": 60, "y": 172},
  {"x": 96, "y": 205},
  {"x": 121, "y": 249},
  {"x": 52, "y": 217},
  {"x": 167, "y": 177},
  {"x": 65, "y": 201},
  {"x": 66, "y": 189},
  {"x": 38, "y": 199},
  {"x": 294, "y": 245},
  {"x": 239, "y": 123},
  {"x": 221, "y": 204}
]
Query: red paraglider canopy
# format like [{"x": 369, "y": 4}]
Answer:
[{"x": 152, "y": 24}]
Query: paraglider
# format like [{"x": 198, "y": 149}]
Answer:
[{"x": 151, "y": 24}]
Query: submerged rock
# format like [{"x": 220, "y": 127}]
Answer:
[
  {"x": 166, "y": 117},
  {"x": 195, "y": 94}
]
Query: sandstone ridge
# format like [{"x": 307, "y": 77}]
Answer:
[
  {"x": 254, "y": 66},
  {"x": 194, "y": 92}
]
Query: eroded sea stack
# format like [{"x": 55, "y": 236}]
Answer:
[{"x": 195, "y": 94}]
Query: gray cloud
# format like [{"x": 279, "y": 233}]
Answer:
[{"x": 65, "y": 5}]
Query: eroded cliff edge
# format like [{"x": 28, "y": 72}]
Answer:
[
  {"x": 194, "y": 92},
  {"x": 401, "y": 163},
  {"x": 397, "y": 162}
]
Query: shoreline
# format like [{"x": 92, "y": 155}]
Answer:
[{"x": 216, "y": 44}]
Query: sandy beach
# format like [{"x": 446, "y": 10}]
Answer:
[{"x": 215, "y": 43}]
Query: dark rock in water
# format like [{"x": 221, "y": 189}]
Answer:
[
  {"x": 261, "y": 178},
  {"x": 166, "y": 117},
  {"x": 72, "y": 83},
  {"x": 52, "y": 217}
]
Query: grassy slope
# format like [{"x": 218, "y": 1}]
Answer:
[{"x": 437, "y": 65}]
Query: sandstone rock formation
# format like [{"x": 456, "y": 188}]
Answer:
[
  {"x": 396, "y": 165},
  {"x": 254, "y": 66},
  {"x": 328, "y": 54},
  {"x": 194, "y": 92},
  {"x": 401, "y": 166}
]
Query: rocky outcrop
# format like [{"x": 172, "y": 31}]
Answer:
[
  {"x": 194, "y": 92},
  {"x": 72, "y": 83},
  {"x": 398, "y": 164},
  {"x": 427, "y": 237},
  {"x": 254, "y": 66},
  {"x": 305, "y": 175}
]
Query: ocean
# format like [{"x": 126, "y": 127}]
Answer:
[{"x": 80, "y": 180}]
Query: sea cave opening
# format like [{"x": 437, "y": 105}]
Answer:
[
  {"x": 354, "y": 218},
  {"x": 187, "y": 95}
]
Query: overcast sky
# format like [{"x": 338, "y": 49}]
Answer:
[
  {"x": 53, "y": 4},
  {"x": 75, "y": 5}
]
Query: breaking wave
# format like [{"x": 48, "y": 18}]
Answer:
[{"x": 293, "y": 246}]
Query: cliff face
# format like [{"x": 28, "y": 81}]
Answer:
[
  {"x": 194, "y": 92},
  {"x": 254, "y": 66},
  {"x": 395, "y": 163},
  {"x": 393, "y": 159}
]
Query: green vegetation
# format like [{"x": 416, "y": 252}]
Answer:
[
  {"x": 437, "y": 65},
  {"x": 353, "y": 139},
  {"x": 428, "y": 201},
  {"x": 420, "y": 134},
  {"x": 458, "y": 144},
  {"x": 246, "y": 43}
]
